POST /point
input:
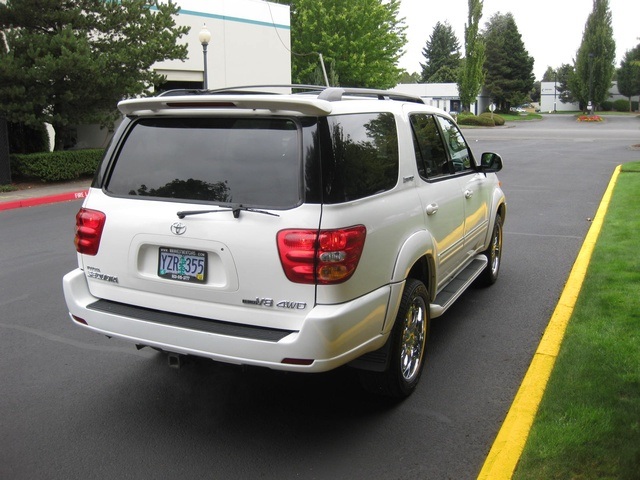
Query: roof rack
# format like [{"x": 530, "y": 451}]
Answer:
[
  {"x": 332, "y": 94},
  {"x": 243, "y": 89}
]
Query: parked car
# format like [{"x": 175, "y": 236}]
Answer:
[{"x": 294, "y": 231}]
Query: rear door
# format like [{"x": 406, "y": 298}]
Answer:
[{"x": 193, "y": 207}]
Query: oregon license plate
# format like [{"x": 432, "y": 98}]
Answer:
[{"x": 182, "y": 265}]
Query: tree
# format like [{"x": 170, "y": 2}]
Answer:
[
  {"x": 471, "y": 75},
  {"x": 406, "y": 77},
  {"x": 566, "y": 72},
  {"x": 549, "y": 75},
  {"x": 362, "y": 38},
  {"x": 442, "y": 55},
  {"x": 629, "y": 74},
  {"x": 509, "y": 67},
  {"x": 594, "y": 64},
  {"x": 68, "y": 62}
]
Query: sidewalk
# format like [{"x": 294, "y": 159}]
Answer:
[{"x": 31, "y": 195}]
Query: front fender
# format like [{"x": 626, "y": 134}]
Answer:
[{"x": 499, "y": 206}]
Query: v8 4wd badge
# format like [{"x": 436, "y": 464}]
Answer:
[{"x": 269, "y": 302}]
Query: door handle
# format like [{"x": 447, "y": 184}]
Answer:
[
  {"x": 468, "y": 193},
  {"x": 432, "y": 209}
]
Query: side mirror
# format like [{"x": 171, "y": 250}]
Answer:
[{"x": 491, "y": 162}]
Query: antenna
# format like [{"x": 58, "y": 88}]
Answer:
[{"x": 324, "y": 71}]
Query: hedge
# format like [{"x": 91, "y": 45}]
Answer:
[
  {"x": 483, "y": 120},
  {"x": 497, "y": 119},
  {"x": 621, "y": 105},
  {"x": 56, "y": 166}
]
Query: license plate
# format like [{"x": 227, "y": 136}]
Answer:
[{"x": 182, "y": 265}]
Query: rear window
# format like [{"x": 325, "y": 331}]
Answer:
[{"x": 251, "y": 161}]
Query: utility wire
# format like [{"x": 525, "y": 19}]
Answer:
[{"x": 324, "y": 70}]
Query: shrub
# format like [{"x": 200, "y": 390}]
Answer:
[
  {"x": 483, "y": 120},
  {"x": 606, "y": 106},
  {"x": 56, "y": 166},
  {"x": 497, "y": 119},
  {"x": 634, "y": 105},
  {"x": 621, "y": 105}
]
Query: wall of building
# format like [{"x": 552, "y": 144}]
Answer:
[
  {"x": 250, "y": 45},
  {"x": 442, "y": 95},
  {"x": 548, "y": 100}
]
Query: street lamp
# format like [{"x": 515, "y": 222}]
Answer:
[{"x": 205, "y": 37}]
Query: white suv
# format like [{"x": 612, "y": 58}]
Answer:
[{"x": 294, "y": 231}]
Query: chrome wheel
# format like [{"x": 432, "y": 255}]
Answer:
[
  {"x": 406, "y": 346},
  {"x": 414, "y": 335},
  {"x": 496, "y": 248},
  {"x": 494, "y": 256}
]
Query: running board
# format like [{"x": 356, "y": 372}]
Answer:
[{"x": 457, "y": 286}]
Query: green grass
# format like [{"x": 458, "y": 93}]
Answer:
[
  {"x": 588, "y": 423},
  {"x": 520, "y": 118},
  {"x": 7, "y": 188}
]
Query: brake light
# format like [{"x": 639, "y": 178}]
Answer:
[
  {"x": 325, "y": 257},
  {"x": 89, "y": 225}
]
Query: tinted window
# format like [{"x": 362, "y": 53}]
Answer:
[
  {"x": 241, "y": 160},
  {"x": 431, "y": 156},
  {"x": 361, "y": 156},
  {"x": 457, "y": 146}
]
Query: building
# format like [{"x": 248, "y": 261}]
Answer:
[
  {"x": 550, "y": 99},
  {"x": 443, "y": 95},
  {"x": 250, "y": 45}
]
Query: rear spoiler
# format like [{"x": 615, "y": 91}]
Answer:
[{"x": 300, "y": 104}]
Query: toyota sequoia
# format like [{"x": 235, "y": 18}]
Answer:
[{"x": 302, "y": 230}]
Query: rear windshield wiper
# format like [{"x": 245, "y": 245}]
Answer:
[{"x": 236, "y": 209}]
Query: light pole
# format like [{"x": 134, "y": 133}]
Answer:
[
  {"x": 555, "y": 89},
  {"x": 205, "y": 37},
  {"x": 590, "y": 105}
]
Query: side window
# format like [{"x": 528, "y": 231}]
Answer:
[
  {"x": 456, "y": 144},
  {"x": 361, "y": 158},
  {"x": 431, "y": 156}
]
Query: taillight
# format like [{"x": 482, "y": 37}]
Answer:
[
  {"x": 89, "y": 225},
  {"x": 325, "y": 257}
]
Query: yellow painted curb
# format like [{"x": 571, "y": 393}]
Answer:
[{"x": 509, "y": 443}]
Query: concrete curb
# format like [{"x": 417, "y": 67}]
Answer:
[
  {"x": 43, "y": 200},
  {"x": 508, "y": 445}
]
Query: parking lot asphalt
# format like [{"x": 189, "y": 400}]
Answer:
[{"x": 33, "y": 194}]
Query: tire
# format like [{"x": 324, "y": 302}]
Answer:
[
  {"x": 494, "y": 256},
  {"x": 408, "y": 340}
]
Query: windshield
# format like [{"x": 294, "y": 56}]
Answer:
[{"x": 249, "y": 161}]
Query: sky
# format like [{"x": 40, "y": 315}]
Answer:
[{"x": 551, "y": 29}]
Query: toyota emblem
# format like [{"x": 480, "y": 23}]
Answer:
[{"x": 178, "y": 228}]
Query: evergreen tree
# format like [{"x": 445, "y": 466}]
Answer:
[
  {"x": 362, "y": 39},
  {"x": 549, "y": 75},
  {"x": 472, "y": 74},
  {"x": 406, "y": 77},
  {"x": 629, "y": 74},
  {"x": 508, "y": 64},
  {"x": 442, "y": 55},
  {"x": 594, "y": 64},
  {"x": 566, "y": 73},
  {"x": 68, "y": 62}
]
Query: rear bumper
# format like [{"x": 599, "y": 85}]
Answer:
[{"x": 330, "y": 336}]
